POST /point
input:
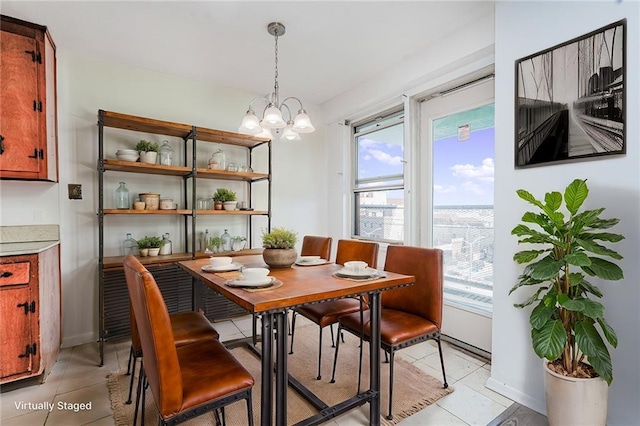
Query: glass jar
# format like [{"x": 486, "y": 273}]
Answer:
[
  {"x": 166, "y": 154},
  {"x": 122, "y": 197},
  {"x": 165, "y": 248},
  {"x": 218, "y": 160},
  {"x": 130, "y": 246},
  {"x": 232, "y": 167},
  {"x": 226, "y": 237}
]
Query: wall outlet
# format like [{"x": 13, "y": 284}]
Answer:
[{"x": 75, "y": 191}]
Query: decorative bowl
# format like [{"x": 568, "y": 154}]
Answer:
[{"x": 127, "y": 157}]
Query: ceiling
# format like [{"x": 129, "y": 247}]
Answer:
[{"x": 329, "y": 46}]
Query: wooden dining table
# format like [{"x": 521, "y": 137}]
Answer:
[{"x": 298, "y": 286}]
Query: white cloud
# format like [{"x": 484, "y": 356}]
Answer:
[
  {"x": 444, "y": 189},
  {"x": 483, "y": 172},
  {"x": 473, "y": 187},
  {"x": 383, "y": 157}
]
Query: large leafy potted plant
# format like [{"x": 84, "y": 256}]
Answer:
[
  {"x": 279, "y": 251},
  {"x": 567, "y": 322}
]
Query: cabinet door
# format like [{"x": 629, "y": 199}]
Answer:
[
  {"x": 20, "y": 106},
  {"x": 18, "y": 316}
]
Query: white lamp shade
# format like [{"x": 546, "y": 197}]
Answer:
[
  {"x": 288, "y": 134},
  {"x": 265, "y": 133},
  {"x": 250, "y": 124},
  {"x": 272, "y": 119},
  {"x": 302, "y": 123}
]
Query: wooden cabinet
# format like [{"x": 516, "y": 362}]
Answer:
[
  {"x": 113, "y": 311},
  {"x": 29, "y": 314},
  {"x": 28, "y": 129}
]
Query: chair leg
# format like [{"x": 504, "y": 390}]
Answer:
[
  {"x": 444, "y": 376},
  {"x": 391, "y": 364},
  {"x": 319, "y": 354},
  {"x": 250, "y": 409},
  {"x": 133, "y": 373},
  {"x": 255, "y": 330},
  {"x": 138, "y": 394},
  {"x": 293, "y": 330},
  {"x": 335, "y": 358},
  {"x": 144, "y": 395},
  {"x": 333, "y": 340},
  {"x": 129, "y": 363}
]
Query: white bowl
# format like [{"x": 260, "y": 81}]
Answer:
[
  {"x": 127, "y": 151},
  {"x": 308, "y": 258},
  {"x": 127, "y": 157},
  {"x": 220, "y": 261},
  {"x": 254, "y": 274},
  {"x": 356, "y": 265}
]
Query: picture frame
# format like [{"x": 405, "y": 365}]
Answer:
[{"x": 570, "y": 99}]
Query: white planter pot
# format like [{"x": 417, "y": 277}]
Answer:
[
  {"x": 572, "y": 401},
  {"x": 154, "y": 251},
  {"x": 230, "y": 205},
  {"x": 148, "y": 157}
]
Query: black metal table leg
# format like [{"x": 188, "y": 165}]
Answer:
[
  {"x": 281, "y": 368},
  {"x": 374, "y": 359},
  {"x": 266, "y": 416}
]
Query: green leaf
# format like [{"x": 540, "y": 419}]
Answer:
[
  {"x": 549, "y": 341},
  {"x": 585, "y": 306},
  {"x": 521, "y": 230},
  {"x": 590, "y": 288},
  {"x": 544, "y": 269},
  {"x": 604, "y": 269},
  {"x": 575, "y": 194},
  {"x": 587, "y": 217},
  {"x": 597, "y": 248},
  {"x": 553, "y": 200},
  {"x": 540, "y": 315},
  {"x": 538, "y": 239},
  {"x": 527, "y": 256},
  {"x": 604, "y": 236},
  {"x": 527, "y": 196},
  {"x": 575, "y": 279},
  {"x": 531, "y": 299},
  {"x": 604, "y": 223},
  {"x": 539, "y": 219},
  {"x": 610, "y": 335},
  {"x": 577, "y": 259},
  {"x": 591, "y": 344},
  {"x": 524, "y": 281}
]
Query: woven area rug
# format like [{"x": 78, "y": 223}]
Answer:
[{"x": 413, "y": 390}]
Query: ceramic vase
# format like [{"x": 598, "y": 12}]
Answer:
[
  {"x": 149, "y": 157},
  {"x": 279, "y": 258},
  {"x": 144, "y": 252},
  {"x": 230, "y": 205},
  {"x": 154, "y": 251}
]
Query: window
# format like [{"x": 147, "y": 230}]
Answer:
[{"x": 378, "y": 190}]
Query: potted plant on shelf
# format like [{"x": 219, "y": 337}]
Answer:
[
  {"x": 225, "y": 196},
  {"x": 238, "y": 243},
  {"x": 149, "y": 246},
  {"x": 568, "y": 328},
  {"x": 279, "y": 249},
  {"x": 216, "y": 244},
  {"x": 148, "y": 151}
]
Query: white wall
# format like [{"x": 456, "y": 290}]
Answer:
[
  {"x": 523, "y": 28},
  {"x": 85, "y": 85}
]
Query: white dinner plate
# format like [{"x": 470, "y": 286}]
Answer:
[
  {"x": 262, "y": 282},
  {"x": 311, "y": 263},
  {"x": 365, "y": 273},
  {"x": 224, "y": 268}
]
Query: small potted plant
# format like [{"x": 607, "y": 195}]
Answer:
[
  {"x": 225, "y": 196},
  {"x": 148, "y": 151},
  {"x": 216, "y": 244},
  {"x": 149, "y": 246},
  {"x": 568, "y": 328},
  {"x": 279, "y": 251}
]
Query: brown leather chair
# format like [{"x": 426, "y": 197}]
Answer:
[
  {"x": 188, "y": 327},
  {"x": 316, "y": 246},
  {"x": 188, "y": 380},
  {"x": 409, "y": 315},
  {"x": 327, "y": 313}
]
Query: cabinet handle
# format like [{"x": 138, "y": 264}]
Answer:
[
  {"x": 37, "y": 154},
  {"x": 1, "y": 144},
  {"x": 28, "y": 307},
  {"x": 37, "y": 106},
  {"x": 28, "y": 351},
  {"x": 6, "y": 274}
]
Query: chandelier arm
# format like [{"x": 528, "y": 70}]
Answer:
[
  {"x": 288, "y": 110},
  {"x": 293, "y": 97}
]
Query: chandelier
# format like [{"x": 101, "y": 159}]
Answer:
[{"x": 274, "y": 113}]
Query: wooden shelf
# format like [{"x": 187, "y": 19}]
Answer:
[
  {"x": 231, "y": 212},
  {"x": 155, "y": 212},
  {"x": 146, "y": 168},
  {"x": 225, "y": 175},
  {"x": 116, "y": 262}
]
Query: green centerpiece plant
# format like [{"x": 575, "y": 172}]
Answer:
[
  {"x": 567, "y": 321},
  {"x": 279, "y": 251}
]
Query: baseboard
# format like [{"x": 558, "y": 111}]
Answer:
[
  {"x": 80, "y": 339},
  {"x": 470, "y": 348},
  {"x": 517, "y": 396}
]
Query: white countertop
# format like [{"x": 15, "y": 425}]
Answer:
[{"x": 30, "y": 247}]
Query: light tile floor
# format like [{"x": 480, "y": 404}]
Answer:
[{"x": 76, "y": 378}]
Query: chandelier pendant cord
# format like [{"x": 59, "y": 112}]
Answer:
[{"x": 276, "y": 88}]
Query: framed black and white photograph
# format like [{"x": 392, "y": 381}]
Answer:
[{"x": 570, "y": 99}]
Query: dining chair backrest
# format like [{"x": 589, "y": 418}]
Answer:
[
  {"x": 365, "y": 251},
  {"x": 316, "y": 246},
  {"x": 161, "y": 364},
  {"x": 424, "y": 297}
]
